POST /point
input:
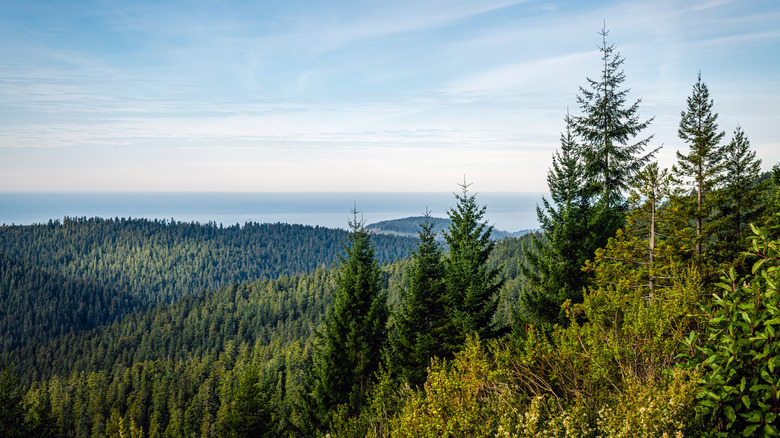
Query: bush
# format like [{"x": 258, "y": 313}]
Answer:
[
  {"x": 458, "y": 400},
  {"x": 741, "y": 352}
]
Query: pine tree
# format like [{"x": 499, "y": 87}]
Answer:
[
  {"x": 739, "y": 198},
  {"x": 354, "y": 333},
  {"x": 609, "y": 129},
  {"x": 419, "y": 330},
  {"x": 251, "y": 413},
  {"x": 554, "y": 263},
  {"x": 472, "y": 287},
  {"x": 703, "y": 164}
]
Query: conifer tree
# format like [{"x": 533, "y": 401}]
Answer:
[
  {"x": 608, "y": 129},
  {"x": 419, "y": 330},
  {"x": 251, "y": 413},
  {"x": 472, "y": 286},
  {"x": 702, "y": 166},
  {"x": 645, "y": 253},
  {"x": 554, "y": 264},
  {"x": 354, "y": 332},
  {"x": 739, "y": 198}
]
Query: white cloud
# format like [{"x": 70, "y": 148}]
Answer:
[{"x": 242, "y": 96}]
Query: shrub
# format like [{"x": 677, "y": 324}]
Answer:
[
  {"x": 741, "y": 352},
  {"x": 459, "y": 399}
]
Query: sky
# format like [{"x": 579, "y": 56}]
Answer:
[{"x": 391, "y": 96}]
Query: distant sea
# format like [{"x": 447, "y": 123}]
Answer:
[{"x": 506, "y": 211}]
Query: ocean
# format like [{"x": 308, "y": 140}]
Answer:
[{"x": 506, "y": 211}]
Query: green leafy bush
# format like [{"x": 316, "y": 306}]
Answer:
[
  {"x": 459, "y": 399},
  {"x": 740, "y": 357}
]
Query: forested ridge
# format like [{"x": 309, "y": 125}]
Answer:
[
  {"x": 410, "y": 225},
  {"x": 646, "y": 306},
  {"x": 263, "y": 323},
  {"x": 82, "y": 273}
]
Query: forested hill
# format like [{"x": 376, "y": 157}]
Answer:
[
  {"x": 410, "y": 226},
  {"x": 280, "y": 311},
  {"x": 178, "y": 367},
  {"x": 82, "y": 273}
]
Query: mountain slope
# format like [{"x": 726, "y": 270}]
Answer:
[
  {"x": 82, "y": 273},
  {"x": 408, "y": 227}
]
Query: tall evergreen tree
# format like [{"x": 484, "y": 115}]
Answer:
[
  {"x": 702, "y": 166},
  {"x": 472, "y": 286},
  {"x": 251, "y": 414},
  {"x": 554, "y": 263},
  {"x": 609, "y": 128},
  {"x": 354, "y": 333},
  {"x": 420, "y": 326},
  {"x": 739, "y": 198}
]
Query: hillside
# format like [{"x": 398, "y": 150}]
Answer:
[
  {"x": 176, "y": 366},
  {"x": 78, "y": 274},
  {"x": 409, "y": 227}
]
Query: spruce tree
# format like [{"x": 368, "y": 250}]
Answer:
[
  {"x": 554, "y": 262},
  {"x": 354, "y": 333},
  {"x": 472, "y": 286},
  {"x": 702, "y": 166},
  {"x": 608, "y": 129},
  {"x": 419, "y": 329},
  {"x": 739, "y": 198},
  {"x": 251, "y": 413}
]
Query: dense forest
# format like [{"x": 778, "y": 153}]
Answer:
[
  {"x": 646, "y": 306},
  {"x": 258, "y": 324},
  {"x": 83, "y": 273}
]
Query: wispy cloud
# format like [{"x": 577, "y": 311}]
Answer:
[{"x": 325, "y": 91}]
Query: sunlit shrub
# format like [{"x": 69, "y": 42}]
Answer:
[
  {"x": 652, "y": 409},
  {"x": 459, "y": 399},
  {"x": 739, "y": 357}
]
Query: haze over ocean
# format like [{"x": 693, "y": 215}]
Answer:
[{"x": 506, "y": 211}]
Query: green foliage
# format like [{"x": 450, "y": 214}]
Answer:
[
  {"x": 419, "y": 332},
  {"x": 553, "y": 269},
  {"x": 739, "y": 198},
  {"x": 771, "y": 200},
  {"x": 84, "y": 273},
  {"x": 650, "y": 250},
  {"x": 13, "y": 422},
  {"x": 250, "y": 414},
  {"x": 508, "y": 256},
  {"x": 702, "y": 167},
  {"x": 458, "y": 400},
  {"x": 264, "y": 312},
  {"x": 607, "y": 127},
  {"x": 654, "y": 408},
  {"x": 614, "y": 337},
  {"x": 354, "y": 333},
  {"x": 739, "y": 356},
  {"x": 472, "y": 285},
  {"x": 178, "y": 367}
]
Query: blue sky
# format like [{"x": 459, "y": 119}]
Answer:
[{"x": 407, "y": 95}]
